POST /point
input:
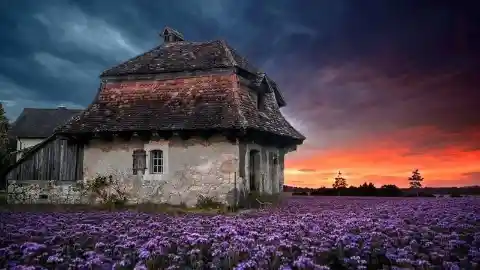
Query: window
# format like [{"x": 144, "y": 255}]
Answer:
[
  {"x": 139, "y": 161},
  {"x": 156, "y": 162},
  {"x": 258, "y": 98},
  {"x": 260, "y": 101}
]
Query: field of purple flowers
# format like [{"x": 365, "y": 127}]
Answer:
[{"x": 305, "y": 233}]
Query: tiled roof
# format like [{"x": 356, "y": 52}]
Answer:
[
  {"x": 182, "y": 56},
  {"x": 183, "y": 85},
  {"x": 40, "y": 123},
  {"x": 194, "y": 103}
]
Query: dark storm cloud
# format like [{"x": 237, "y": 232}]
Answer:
[
  {"x": 348, "y": 69},
  {"x": 52, "y": 51}
]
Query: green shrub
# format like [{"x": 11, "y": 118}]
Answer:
[
  {"x": 107, "y": 190},
  {"x": 205, "y": 202}
]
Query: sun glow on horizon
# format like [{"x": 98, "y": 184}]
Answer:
[{"x": 388, "y": 161}]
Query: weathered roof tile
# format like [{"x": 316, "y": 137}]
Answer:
[
  {"x": 208, "y": 97},
  {"x": 195, "y": 103}
]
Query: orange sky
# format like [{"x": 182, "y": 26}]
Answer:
[{"x": 390, "y": 158}]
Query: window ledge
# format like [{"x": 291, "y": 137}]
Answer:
[{"x": 154, "y": 177}]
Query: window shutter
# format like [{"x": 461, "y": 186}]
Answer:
[{"x": 139, "y": 161}]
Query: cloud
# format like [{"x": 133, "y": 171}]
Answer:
[
  {"x": 69, "y": 26},
  {"x": 472, "y": 177},
  {"x": 307, "y": 170},
  {"x": 16, "y": 97},
  {"x": 354, "y": 99},
  {"x": 64, "y": 69}
]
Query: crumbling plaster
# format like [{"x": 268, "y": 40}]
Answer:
[{"x": 191, "y": 168}]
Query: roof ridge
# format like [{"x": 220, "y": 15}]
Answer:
[
  {"x": 164, "y": 45},
  {"x": 130, "y": 60},
  {"x": 228, "y": 52},
  {"x": 52, "y": 109}
]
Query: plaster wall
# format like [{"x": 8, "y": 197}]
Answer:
[{"x": 191, "y": 168}]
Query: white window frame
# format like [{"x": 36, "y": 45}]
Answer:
[
  {"x": 152, "y": 146},
  {"x": 156, "y": 159}
]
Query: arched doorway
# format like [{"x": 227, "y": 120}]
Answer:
[{"x": 254, "y": 169}]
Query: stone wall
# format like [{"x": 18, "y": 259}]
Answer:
[
  {"x": 44, "y": 192},
  {"x": 192, "y": 168}
]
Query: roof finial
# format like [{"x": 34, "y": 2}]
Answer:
[{"x": 171, "y": 35}]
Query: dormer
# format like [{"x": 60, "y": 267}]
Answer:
[{"x": 171, "y": 35}]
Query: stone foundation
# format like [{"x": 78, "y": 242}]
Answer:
[{"x": 44, "y": 192}]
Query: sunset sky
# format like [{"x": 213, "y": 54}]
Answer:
[{"x": 379, "y": 88}]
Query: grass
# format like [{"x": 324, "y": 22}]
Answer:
[
  {"x": 206, "y": 207},
  {"x": 144, "y": 208}
]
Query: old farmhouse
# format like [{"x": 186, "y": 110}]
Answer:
[{"x": 181, "y": 120}]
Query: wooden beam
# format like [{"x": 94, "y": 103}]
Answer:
[
  {"x": 231, "y": 135},
  {"x": 106, "y": 136},
  {"x": 184, "y": 135},
  {"x": 166, "y": 135},
  {"x": 125, "y": 135},
  {"x": 155, "y": 136},
  {"x": 206, "y": 134},
  {"x": 145, "y": 135}
]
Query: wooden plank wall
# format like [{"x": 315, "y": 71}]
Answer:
[{"x": 59, "y": 159}]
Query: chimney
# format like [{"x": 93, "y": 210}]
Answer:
[{"x": 171, "y": 35}]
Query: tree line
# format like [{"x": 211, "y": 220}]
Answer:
[
  {"x": 340, "y": 187},
  {"x": 7, "y": 147}
]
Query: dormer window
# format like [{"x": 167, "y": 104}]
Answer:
[
  {"x": 171, "y": 35},
  {"x": 260, "y": 101}
]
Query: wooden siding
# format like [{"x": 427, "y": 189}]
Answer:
[{"x": 58, "y": 159}]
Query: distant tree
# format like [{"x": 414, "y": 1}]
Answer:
[
  {"x": 390, "y": 191},
  {"x": 415, "y": 180},
  {"x": 4, "y": 146},
  {"x": 340, "y": 183},
  {"x": 4, "y": 126},
  {"x": 367, "y": 189}
]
